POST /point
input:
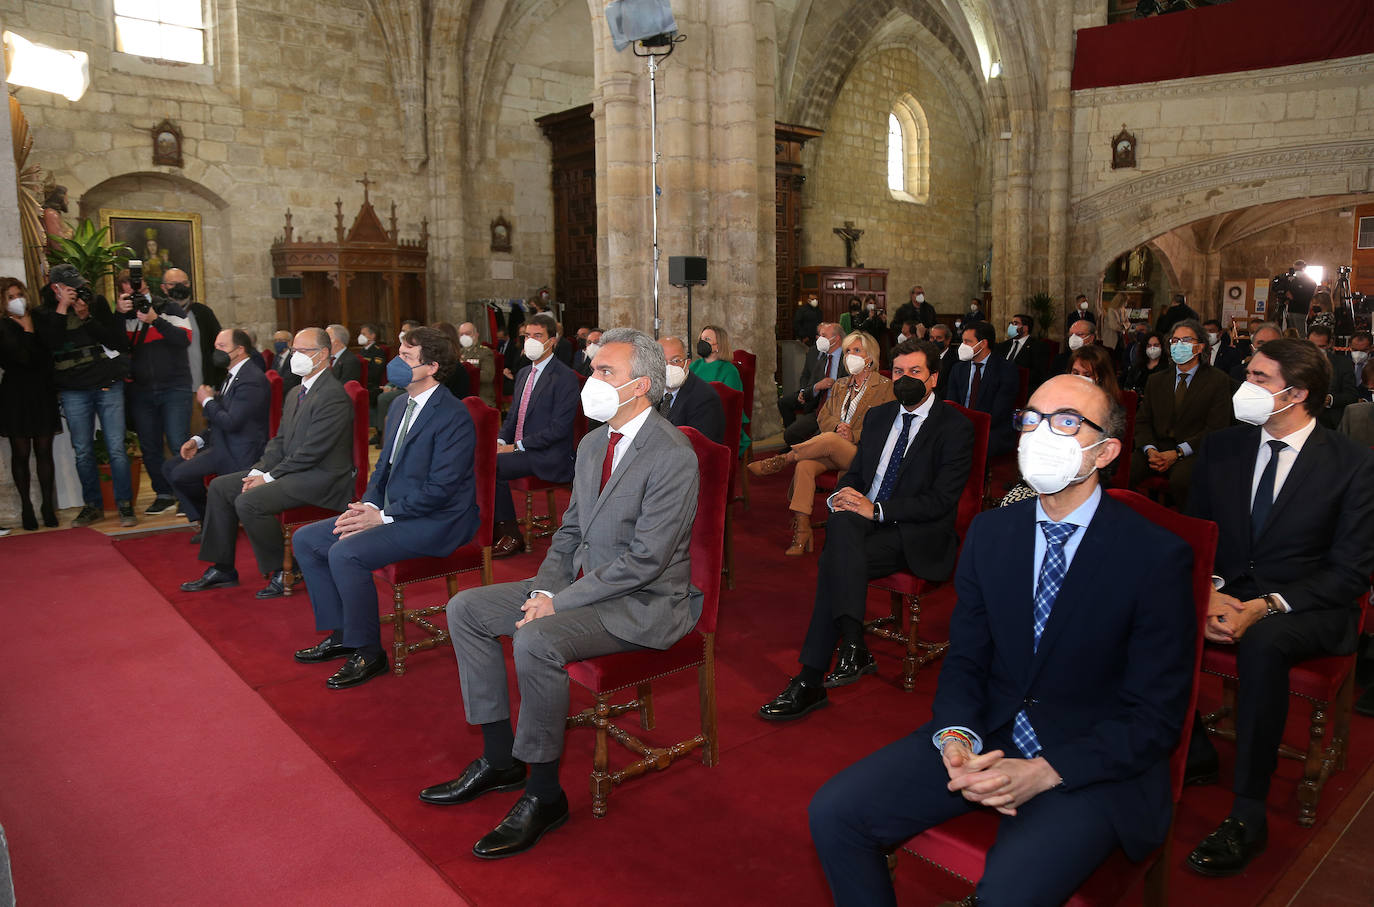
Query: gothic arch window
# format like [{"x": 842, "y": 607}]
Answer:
[{"x": 908, "y": 151}]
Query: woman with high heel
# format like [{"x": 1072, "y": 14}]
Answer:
[
  {"x": 841, "y": 420},
  {"x": 28, "y": 402}
]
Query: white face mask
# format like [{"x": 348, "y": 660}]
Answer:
[
  {"x": 871, "y": 306},
  {"x": 466, "y": 341},
  {"x": 822, "y": 345},
  {"x": 1359, "y": 356},
  {"x": 966, "y": 352},
  {"x": 676, "y": 375},
  {"x": 1083, "y": 306},
  {"x": 1254, "y": 404},
  {"x": 973, "y": 309},
  {"x": 1154, "y": 352},
  {"x": 854, "y": 364},
  {"x": 600, "y": 401},
  {"x": 362, "y": 340},
  {"x": 814, "y": 302},
  {"x": 1075, "y": 342},
  {"x": 15, "y": 306},
  {"x": 301, "y": 364},
  {"x": 1213, "y": 338},
  {"x": 920, "y": 297},
  {"x": 1051, "y": 462},
  {"x": 901, "y": 338},
  {"x": 533, "y": 350},
  {"x": 592, "y": 349}
]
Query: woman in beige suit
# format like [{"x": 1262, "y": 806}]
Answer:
[{"x": 841, "y": 419}]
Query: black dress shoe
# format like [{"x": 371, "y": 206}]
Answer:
[
  {"x": 1204, "y": 771},
  {"x": 855, "y": 662},
  {"x": 324, "y": 650},
  {"x": 477, "y": 779},
  {"x": 212, "y": 578},
  {"x": 276, "y": 585},
  {"x": 522, "y": 827},
  {"x": 1226, "y": 851},
  {"x": 356, "y": 671},
  {"x": 794, "y": 702},
  {"x": 199, "y": 534}
]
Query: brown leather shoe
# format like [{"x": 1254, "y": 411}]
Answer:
[
  {"x": 802, "y": 540},
  {"x": 769, "y": 467},
  {"x": 508, "y": 545}
]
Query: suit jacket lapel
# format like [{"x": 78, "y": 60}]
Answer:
[
  {"x": 417, "y": 423},
  {"x": 1079, "y": 588},
  {"x": 621, "y": 468},
  {"x": 1311, "y": 452},
  {"x": 923, "y": 436}
]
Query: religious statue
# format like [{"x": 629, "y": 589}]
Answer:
[
  {"x": 1138, "y": 270},
  {"x": 54, "y": 206},
  {"x": 851, "y": 241}
]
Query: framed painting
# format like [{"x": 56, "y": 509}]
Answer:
[{"x": 162, "y": 240}]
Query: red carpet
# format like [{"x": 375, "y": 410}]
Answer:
[
  {"x": 737, "y": 831},
  {"x": 138, "y": 769}
]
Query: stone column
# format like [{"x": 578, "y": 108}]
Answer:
[{"x": 1060, "y": 115}]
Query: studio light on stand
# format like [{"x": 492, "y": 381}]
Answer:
[{"x": 650, "y": 27}]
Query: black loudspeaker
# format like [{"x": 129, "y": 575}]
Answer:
[
  {"x": 686, "y": 271},
  {"x": 287, "y": 288}
]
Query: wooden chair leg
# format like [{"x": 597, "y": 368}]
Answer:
[
  {"x": 912, "y": 635},
  {"x": 1157, "y": 876},
  {"x": 554, "y": 521},
  {"x": 288, "y": 561},
  {"x": 398, "y": 630},
  {"x": 601, "y": 779},
  {"x": 529, "y": 512},
  {"x": 1313, "y": 774},
  {"x": 486, "y": 567},
  {"x": 1340, "y": 729},
  {"x": 706, "y": 683},
  {"x": 644, "y": 694}
]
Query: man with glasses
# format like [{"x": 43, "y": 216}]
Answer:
[
  {"x": 687, "y": 400},
  {"x": 1180, "y": 407},
  {"x": 1063, "y": 691},
  {"x": 310, "y": 461}
]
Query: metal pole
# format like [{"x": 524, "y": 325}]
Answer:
[{"x": 653, "y": 169}]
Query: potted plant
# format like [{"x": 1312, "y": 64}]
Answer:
[
  {"x": 1042, "y": 306},
  {"x": 90, "y": 251},
  {"x": 102, "y": 460}
]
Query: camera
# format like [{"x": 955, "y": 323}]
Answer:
[
  {"x": 142, "y": 305},
  {"x": 85, "y": 294}
]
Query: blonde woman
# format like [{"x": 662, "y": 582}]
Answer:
[
  {"x": 841, "y": 420},
  {"x": 1113, "y": 321},
  {"x": 713, "y": 364}
]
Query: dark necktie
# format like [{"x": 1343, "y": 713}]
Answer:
[
  {"x": 977, "y": 382},
  {"x": 300, "y": 395},
  {"x": 1264, "y": 493},
  {"x": 607, "y": 463},
  {"x": 396, "y": 448},
  {"x": 894, "y": 463},
  {"x": 666, "y": 404},
  {"x": 1052, "y": 571},
  {"x": 224, "y": 388},
  {"x": 1180, "y": 391}
]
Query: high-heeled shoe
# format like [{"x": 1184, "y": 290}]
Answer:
[
  {"x": 49, "y": 517},
  {"x": 49, "y": 508},
  {"x": 802, "y": 539},
  {"x": 29, "y": 520}
]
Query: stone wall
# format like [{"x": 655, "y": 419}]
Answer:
[{"x": 934, "y": 244}]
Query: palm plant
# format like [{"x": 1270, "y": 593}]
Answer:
[
  {"x": 90, "y": 251},
  {"x": 1042, "y": 304}
]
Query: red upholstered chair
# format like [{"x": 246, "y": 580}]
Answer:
[
  {"x": 733, "y": 403},
  {"x": 907, "y": 588},
  {"x": 541, "y": 527},
  {"x": 274, "y": 419},
  {"x": 295, "y": 517},
  {"x": 1053, "y": 347},
  {"x": 268, "y": 357},
  {"x": 960, "y": 846},
  {"x": 497, "y": 395},
  {"x": 475, "y": 555},
  {"x": 610, "y": 674},
  {"x": 748, "y": 365},
  {"x": 362, "y": 371},
  {"x": 1121, "y": 472},
  {"x": 474, "y": 380},
  {"x": 1328, "y": 683},
  {"x": 1023, "y": 390}
]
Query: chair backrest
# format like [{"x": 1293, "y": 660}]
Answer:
[
  {"x": 1052, "y": 346},
  {"x": 269, "y": 357},
  {"x": 487, "y": 423},
  {"x": 474, "y": 377},
  {"x": 1201, "y": 536},
  {"x": 274, "y": 416},
  {"x": 732, "y": 401},
  {"x": 361, "y": 449},
  {"x": 362, "y": 371},
  {"x": 1121, "y": 472},
  {"x": 748, "y": 365},
  {"x": 1023, "y": 391},
  {"x": 971, "y": 501},
  {"x": 715, "y": 461},
  {"x": 497, "y": 377}
]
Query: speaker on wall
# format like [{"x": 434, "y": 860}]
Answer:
[
  {"x": 287, "y": 288},
  {"x": 686, "y": 271}
]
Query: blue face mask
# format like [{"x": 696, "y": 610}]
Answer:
[
  {"x": 1181, "y": 351},
  {"x": 279, "y": 346},
  {"x": 399, "y": 373},
  {"x": 1013, "y": 331}
]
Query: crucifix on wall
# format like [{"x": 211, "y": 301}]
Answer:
[{"x": 851, "y": 241}]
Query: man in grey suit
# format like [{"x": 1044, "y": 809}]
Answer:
[
  {"x": 617, "y": 578},
  {"x": 310, "y": 461}
]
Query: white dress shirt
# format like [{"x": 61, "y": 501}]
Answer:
[{"x": 420, "y": 400}]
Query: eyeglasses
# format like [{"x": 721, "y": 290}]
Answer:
[
  {"x": 1062, "y": 421},
  {"x": 306, "y": 349}
]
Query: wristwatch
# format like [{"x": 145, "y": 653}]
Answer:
[{"x": 1271, "y": 604}]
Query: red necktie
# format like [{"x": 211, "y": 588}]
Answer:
[{"x": 607, "y": 463}]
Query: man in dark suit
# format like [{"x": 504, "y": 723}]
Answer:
[
  {"x": 1344, "y": 389},
  {"x": 687, "y": 400},
  {"x": 822, "y": 368},
  {"x": 893, "y": 510},
  {"x": 1180, "y": 407},
  {"x": 1220, "y": 354},
  {"x": 236, "y": 427},
  {"x": 942, "y": 336},
  {"x": 371, "y": 352},
  {"x": 582, "y": 359},
  {"x": 1081, "y": 333},
  {"x": 1294, "y": 502},
  {"x": 343, "y": 361},
  {"x": 617, "y": 578},
  {"x": 310, "y": 461},
  {"x": 537, "y": 436},
  {"x": 987, "y": 383},
  {"x": 1080, "y": 312},
  {"x": 1062, "y": 694},
  {"x": 421, "y": 502},
  {"x": 512, "y": 352},
  {"x": 1261, "y": 335},
  {"x": 1025, "y": 351},
  {"x": 1179, "y": 311}
]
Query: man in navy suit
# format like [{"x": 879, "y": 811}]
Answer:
[
  {"x": 987, "y": 383},
  {"x": 893, "y": 510},
  {"x": 421, "y": 502},
  {"x": 1295, "y": 505},
  {"x": 1062, "y": 693},
  {"x": 236, "y": 419},
  {"x": 537, "y": 436},
  {"x": 687, "y": 400}
]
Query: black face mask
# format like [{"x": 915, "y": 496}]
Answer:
[
  {"x": 219, "y": 358},
  {"x": 703, "y": 349},
  {"x": 179, "y": 291},
  {"x": 909, "y": 391}
]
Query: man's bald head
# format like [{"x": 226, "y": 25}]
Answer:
[
  {"x": 173, "y": 276},
  {"x": 674, "y": 350}
]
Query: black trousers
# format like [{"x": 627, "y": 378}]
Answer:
[
  {"x": 187, "y": 478},
  {"x": 257, "y": 511},
  {"x": 856, "y": 550},
  {"x": 513, "y": 465}
]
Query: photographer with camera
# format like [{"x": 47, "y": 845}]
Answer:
[
  {"x": 90, "y": 363},
  {"x": 159, "y": 390},
  {"x": 1291, "y": 293}
]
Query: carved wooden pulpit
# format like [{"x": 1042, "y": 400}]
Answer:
[{"x": 367, "y": 274}]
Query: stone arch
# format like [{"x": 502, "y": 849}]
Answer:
[{"x": 209, "y": 181}]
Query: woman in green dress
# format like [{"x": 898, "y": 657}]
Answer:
[{"x": 713, "y": 364}]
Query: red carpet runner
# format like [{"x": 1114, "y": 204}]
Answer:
[{"x": 736, "y": 833}]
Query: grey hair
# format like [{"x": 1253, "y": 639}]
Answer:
[
  {"x": 339, "y": 333},
  {"x": 646, "y": 359},
  {"x": 1193, "y": 325}
]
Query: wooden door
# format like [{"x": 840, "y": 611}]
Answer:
[{"x": 572, "y": 135}]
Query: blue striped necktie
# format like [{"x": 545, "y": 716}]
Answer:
[{"x": 1052, "y": 572}]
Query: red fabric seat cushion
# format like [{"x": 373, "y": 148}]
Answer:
[
  {"x": 419, "y": 569},
  {"x": 299, "y": 516},
  {"x": 904, "y": 583},
  {"x": 1315, "y": 678},
  {"x": 534, "y": 483},
  {"x": 624, "y": 669}
]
